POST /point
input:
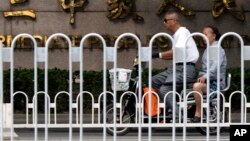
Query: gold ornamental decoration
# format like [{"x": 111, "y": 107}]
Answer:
[
  {"x": 17, "y": 1},
  {"x": 94, "y": 42},
  {"x": 121, "y": 9},
  {"x": 71, "y": 5},
  {"x": 183, "y": 10},
  {"x": 21, "y": 13},
  {"x": 219, "y": 6}
]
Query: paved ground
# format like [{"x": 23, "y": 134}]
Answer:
[
  {"x": 63, "y": 118},
  {"x": 96, "y": 134}
]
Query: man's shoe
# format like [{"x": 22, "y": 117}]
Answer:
[{"x": 196, "y": 119}]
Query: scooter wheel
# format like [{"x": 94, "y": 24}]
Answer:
[
  {"x": 126, "y": 118},
  {"x": 213, "y": 116}
]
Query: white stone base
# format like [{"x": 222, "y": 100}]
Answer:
[
  {"x": 7, "y": 122},
  {"x": 7, "y": 134}
]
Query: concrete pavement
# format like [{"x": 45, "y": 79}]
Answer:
[{"x": 27, "y": 134}]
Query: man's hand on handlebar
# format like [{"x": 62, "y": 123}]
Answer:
[{"x": 155, "y": 55}]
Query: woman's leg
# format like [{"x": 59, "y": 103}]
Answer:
[{"x": 200, "y": 88}]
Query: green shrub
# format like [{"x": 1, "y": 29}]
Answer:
[{"x": 93, "y": 82}]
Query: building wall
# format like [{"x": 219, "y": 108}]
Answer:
[{"x": 51, "y": 18}]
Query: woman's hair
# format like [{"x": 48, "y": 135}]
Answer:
[{"x": 215, "y": 30}]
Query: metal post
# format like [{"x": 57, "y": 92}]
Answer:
[
  {"x": 81, "y": 82},
  {"x": 70, "y": 82},
  {"x": 150, "y": 79},
  {"x": 12, "y": 75},
  {"x": 1, "y": 93}
]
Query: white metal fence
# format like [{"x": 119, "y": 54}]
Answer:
[{"x": 96, "y": 119}]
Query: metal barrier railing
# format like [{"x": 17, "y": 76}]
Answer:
[
  {"x": 1, "y": 92},
  {"x": 110, "y": 55}
]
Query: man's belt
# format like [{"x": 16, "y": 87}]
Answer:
[{"x": 188, "y": 63}]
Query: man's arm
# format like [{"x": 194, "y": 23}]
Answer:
[
  {"x": 164, "y": 55},
  {"x": 167, "y": 54}
]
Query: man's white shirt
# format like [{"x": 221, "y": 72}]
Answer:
[{"x": 180, "y": 37}]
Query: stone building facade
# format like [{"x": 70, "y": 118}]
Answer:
[{"x": 92, "y": 17}]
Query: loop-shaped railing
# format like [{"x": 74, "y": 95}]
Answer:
[
  {"x": 185, "y": 81},
  {"x": 115, "y": 76},
  {"x": 1, "y": 92},
  {"x": 144, "y": 54}
]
